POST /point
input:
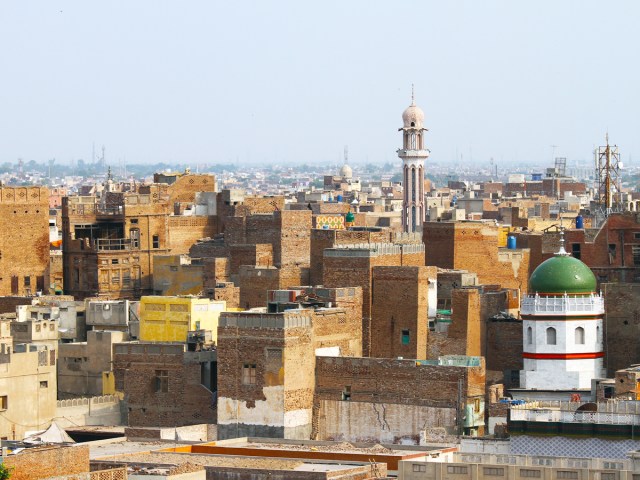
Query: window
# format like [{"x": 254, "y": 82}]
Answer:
[
  {"x": 34, "y": 315},
  {"x": 493, "y": 471},
  {"x": 4, "y": 402},
  {"x": 530, "y": 473},
  {"x": 134, "y": 220},
  {"x": 419, "y": 468},
  {"x": 346, "y": 393},
  {"x": 44, "y": 384},
  {"x": 551, "y": 336},
  {"x": 156, "y": 241},
  {"x": 457, "y": 469},
  {"x": 579, "y": 336},
  {"x": 567, "y": 474},
  {"x": 529, "y": 336},
  {"x": 575, "y": 250},
  {"x": 635, "y": 250},
  {"x": 476, "y": 405},
  {"x": 27, "y": 281},
  {"x": 114, "y": 261},
  {"x": 249, "y": 374},
  {"x": 37, "y": 328},
  {"x": 115, "y": 276},
  {"x": 162, "y": 381},
  {"x": 612, "y": 252},
  {"x": 636, "y": 235},
  {"x": 406, "y": 337},
  {"x": 608, "y": 476},
  {"x": 134, "y": 235}
]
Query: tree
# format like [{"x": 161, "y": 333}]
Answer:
[{"x": 5, "y": 472}]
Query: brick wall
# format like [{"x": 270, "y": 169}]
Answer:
[
  {"x": 185, "y": 402},
  {"x": 622, "y": 326},
  {"x": 399, "y": 323},
  {"x": 24, "y": 212},
  {"x": 46, "y": 462}
]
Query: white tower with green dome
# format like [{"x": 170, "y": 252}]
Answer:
[{"x": 562, "y": 327}]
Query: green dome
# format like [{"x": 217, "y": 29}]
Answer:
[
  {"x": 350, "y": 217},
  {"x": 561, "y": 274}
]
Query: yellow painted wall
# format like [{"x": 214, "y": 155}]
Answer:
[
  {"x": 168, "y": 319},
  {"x": 108, "y": 383}
]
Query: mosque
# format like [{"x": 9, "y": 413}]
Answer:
[{"x": 562, "y": 322}]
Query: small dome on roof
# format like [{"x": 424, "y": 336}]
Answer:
[
  {"x": 350, "y": 218},
  {"x": 413, "y": 116},
  {"x": 346, "y": 171},
  {"x": 562, "y": 274}
]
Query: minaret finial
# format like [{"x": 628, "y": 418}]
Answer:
[
  {"x": 562, "y": 251},
  {"x": 413, "y": 98}
]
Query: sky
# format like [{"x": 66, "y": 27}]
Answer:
[{"x": 292, "y": 82}]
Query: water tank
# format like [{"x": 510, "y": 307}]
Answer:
[
  {"x": 579, "y": 221},
  {"x": 511, "y": 242},
  {"x": 339, "y": 199}
]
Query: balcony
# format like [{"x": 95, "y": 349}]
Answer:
[
  {"x": 623, "y": 413},
  {"x": 566, "y": 304},
  {"x": 113, "y": 244}
]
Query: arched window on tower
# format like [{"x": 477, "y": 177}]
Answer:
[
  {"x": 598, "y": 336},
  {"x": 529, "y": 336},
  {"x": 579, "y": 334},
  {"x": 551, "y": 336}
]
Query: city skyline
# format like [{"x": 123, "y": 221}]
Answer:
[{"x": 290, "y": 84}]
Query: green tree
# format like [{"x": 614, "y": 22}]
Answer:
[{"x": 5, "y": 472}]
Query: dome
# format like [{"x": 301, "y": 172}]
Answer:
[
  {"x": 350, "y": 218},
  {"x": 346, "y": 171},
  {"x": 413, "y": 116},
  {"x": 562, "y": 274}
]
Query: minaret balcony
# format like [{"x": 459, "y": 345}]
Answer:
[
  {"x": 592, "y": 304},
  {"x": 413, "y": 153}
]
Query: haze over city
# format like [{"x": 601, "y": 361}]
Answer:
[{"x": 291, "y": 83}]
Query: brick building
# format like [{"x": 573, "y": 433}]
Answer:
[
  {"x": 266, "y": 364},
  {"x": 24, "y": 248},
  {"x": 164, "y": 385},
  {"x": 473, "y": 246},
  {"x": 378, "y": 400},
  {"x": 399, "y": 320},
  {"x": 352, "y": 265},
  {"x": 109, "y": 242}
]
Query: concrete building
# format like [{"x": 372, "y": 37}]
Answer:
[
  {"x": 169, "y": 319},
  {"x": 27, "y": 385},
  {"x": 413, "y": 154},
  {"x": 85, "y": 368}
]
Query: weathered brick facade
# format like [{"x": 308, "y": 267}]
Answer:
[
  {"x": 473, "y": 246},
  {"x": 24, "y": 246},
  {"x": 399, "y": 323},
  {"x": 109, "y": 242},
  {"x": 162, "y": 384},
  {"x": 346, "y": 267},
  {"x": 266, "y": 368}
]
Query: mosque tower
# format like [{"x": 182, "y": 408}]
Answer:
[
  {"x": 413, "y": 154},
  {"x": 562, "y": 321}
]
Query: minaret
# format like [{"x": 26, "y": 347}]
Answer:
[
  {"x": 562, "y": 321},
  {"x": 413, "y": 154}
]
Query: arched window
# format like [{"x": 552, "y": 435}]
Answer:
[
  {"x": 598, "y": 338},
  {"x": 579, "y": 334},
  {"x": 529, "y": 336},
  {"x": 551, "y": 336}
]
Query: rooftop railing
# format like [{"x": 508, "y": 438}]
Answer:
[{"x": 535, "y": 304}]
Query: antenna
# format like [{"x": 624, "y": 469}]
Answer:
[
  {"x": 608, "y": 177},
  {"x": 346, "y": 154},
  {"x": 413, "y": 98}
]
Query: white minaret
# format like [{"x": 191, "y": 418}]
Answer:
[{"x": 413, "y": 154}]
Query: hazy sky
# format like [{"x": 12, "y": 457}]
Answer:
[{"x": 293, "y": 82}]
